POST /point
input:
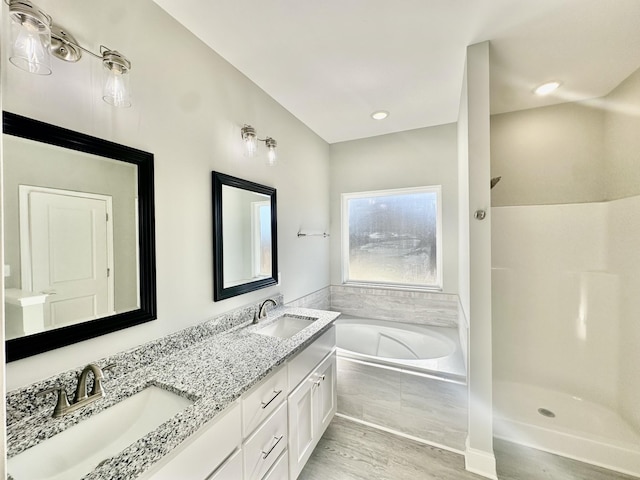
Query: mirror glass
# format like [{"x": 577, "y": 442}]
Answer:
[
  {"x": 245, "y": 239},
  {"x": 78, "y": 220},
  {"x": 246, "y": 228}
]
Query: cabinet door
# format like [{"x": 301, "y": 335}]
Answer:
[
  {"x": 302, "y": 426},
  {"x": 327, "y": 394}
]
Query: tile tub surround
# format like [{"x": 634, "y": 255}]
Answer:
[
  {"x": 410, "y": 306},
  {"x": 430, "y": 409},
  {"x": 320, "y": 300},
  {"x": 208, "y": 363}
]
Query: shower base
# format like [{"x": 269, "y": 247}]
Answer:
[{"x": 565, "y": 425}]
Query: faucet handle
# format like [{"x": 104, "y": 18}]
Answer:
[
  {"x": 63, "y": 402},
  {"x": 42, "y": 393}
]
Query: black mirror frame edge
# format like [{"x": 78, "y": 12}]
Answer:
[
  {"x": 219, "y": 292},
  {"x": 24, "y": 127}
]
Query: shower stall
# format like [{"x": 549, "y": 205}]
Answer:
[{"x": 566, "y": 277}]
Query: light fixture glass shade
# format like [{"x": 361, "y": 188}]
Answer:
[
  {"x": 272, "y": 155},
  {"x": 249, "y": 139},
  {"x": 30, "y": 38},
  {"x": 116, "y": 79}
]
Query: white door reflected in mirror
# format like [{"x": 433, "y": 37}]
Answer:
[{"x": 67, "y": 253}]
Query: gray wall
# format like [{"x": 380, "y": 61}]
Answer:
[
  {"x": 569, "y": 153},
  {"x": 188, "y": 107},
  {"x": 422, "y": 157},
  {"x": 548, "y": 155},
  {"x": 622, "y": 139}
]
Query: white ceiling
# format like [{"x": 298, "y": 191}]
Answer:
[{"x": 331, "y": 63}]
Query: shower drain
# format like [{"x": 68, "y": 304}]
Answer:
[{"x": 547, "y": 413}]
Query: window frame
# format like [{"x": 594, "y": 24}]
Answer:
[{"x": 344, "y": 260}]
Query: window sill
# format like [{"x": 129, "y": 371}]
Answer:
[{"x": 384, "y": 286}]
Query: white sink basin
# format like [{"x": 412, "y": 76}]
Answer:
[
  {"x": 78, "y": 450},
  {"x": 286, "y": 326}
]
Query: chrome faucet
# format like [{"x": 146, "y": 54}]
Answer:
[
  {"x": 81, "y": 398},
  {"x": 261, "y": 311}
]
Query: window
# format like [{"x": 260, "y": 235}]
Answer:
[
  {"x": 261, "y": 239},
  {"x": 393, "y": 237}
]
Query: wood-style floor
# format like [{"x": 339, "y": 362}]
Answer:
[{"x": 352, "y": 451}]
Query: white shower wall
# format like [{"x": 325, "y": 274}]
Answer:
[
  {"x": 624, "y": 258},
  {"x": 556, "y": 298}
]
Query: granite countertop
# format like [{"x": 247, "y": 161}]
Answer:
[{"x": 211, "y": 364}]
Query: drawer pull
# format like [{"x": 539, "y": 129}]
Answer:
[
  {"x": 322, "y": 377},
  {"x": 266, "y": 454},
  {"x": 265, "y": 405}
]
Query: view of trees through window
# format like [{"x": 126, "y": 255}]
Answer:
[{"x": 393, "y": 237}]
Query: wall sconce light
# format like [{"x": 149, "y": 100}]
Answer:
[
  {"x": 34, "y": 38},
  {"x": 250, "y": 139}
]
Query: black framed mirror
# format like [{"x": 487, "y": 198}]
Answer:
[
  {"x": 245, "y": 247},
  {"x": 79, "y": 236}
]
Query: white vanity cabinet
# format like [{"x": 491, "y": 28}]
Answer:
[
  {"x": 207, "y": 454},
  {"x": 271, "y": 431},
  {"x": 312, "y": 405}
]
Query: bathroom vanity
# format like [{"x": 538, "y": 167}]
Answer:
[
  {"x": 270, "y": 432},
  {"x": 258, "y": 399}
]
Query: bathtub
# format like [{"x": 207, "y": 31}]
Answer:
[
  {"x": 409, "y": 347},
  {"x": 566, "y": 425}
]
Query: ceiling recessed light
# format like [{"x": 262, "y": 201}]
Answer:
[
  {"x": 379, "y": 115},
  {"x": 546, "y": 88}
]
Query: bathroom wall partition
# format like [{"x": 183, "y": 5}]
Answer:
[{"x": 565, "y": 274}]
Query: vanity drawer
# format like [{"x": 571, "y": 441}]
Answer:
[
  {"x": 280, "y": 471},
  {"x": 304, "y": 362},
  {"x": 265, "y": 446},
  {"x": 263, "y": 400},
  {"x": 230, "y": 470}
]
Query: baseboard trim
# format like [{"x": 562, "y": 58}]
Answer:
[
  {"x": 400, "y": 434},
  {"x": 480, "y": 462}
]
